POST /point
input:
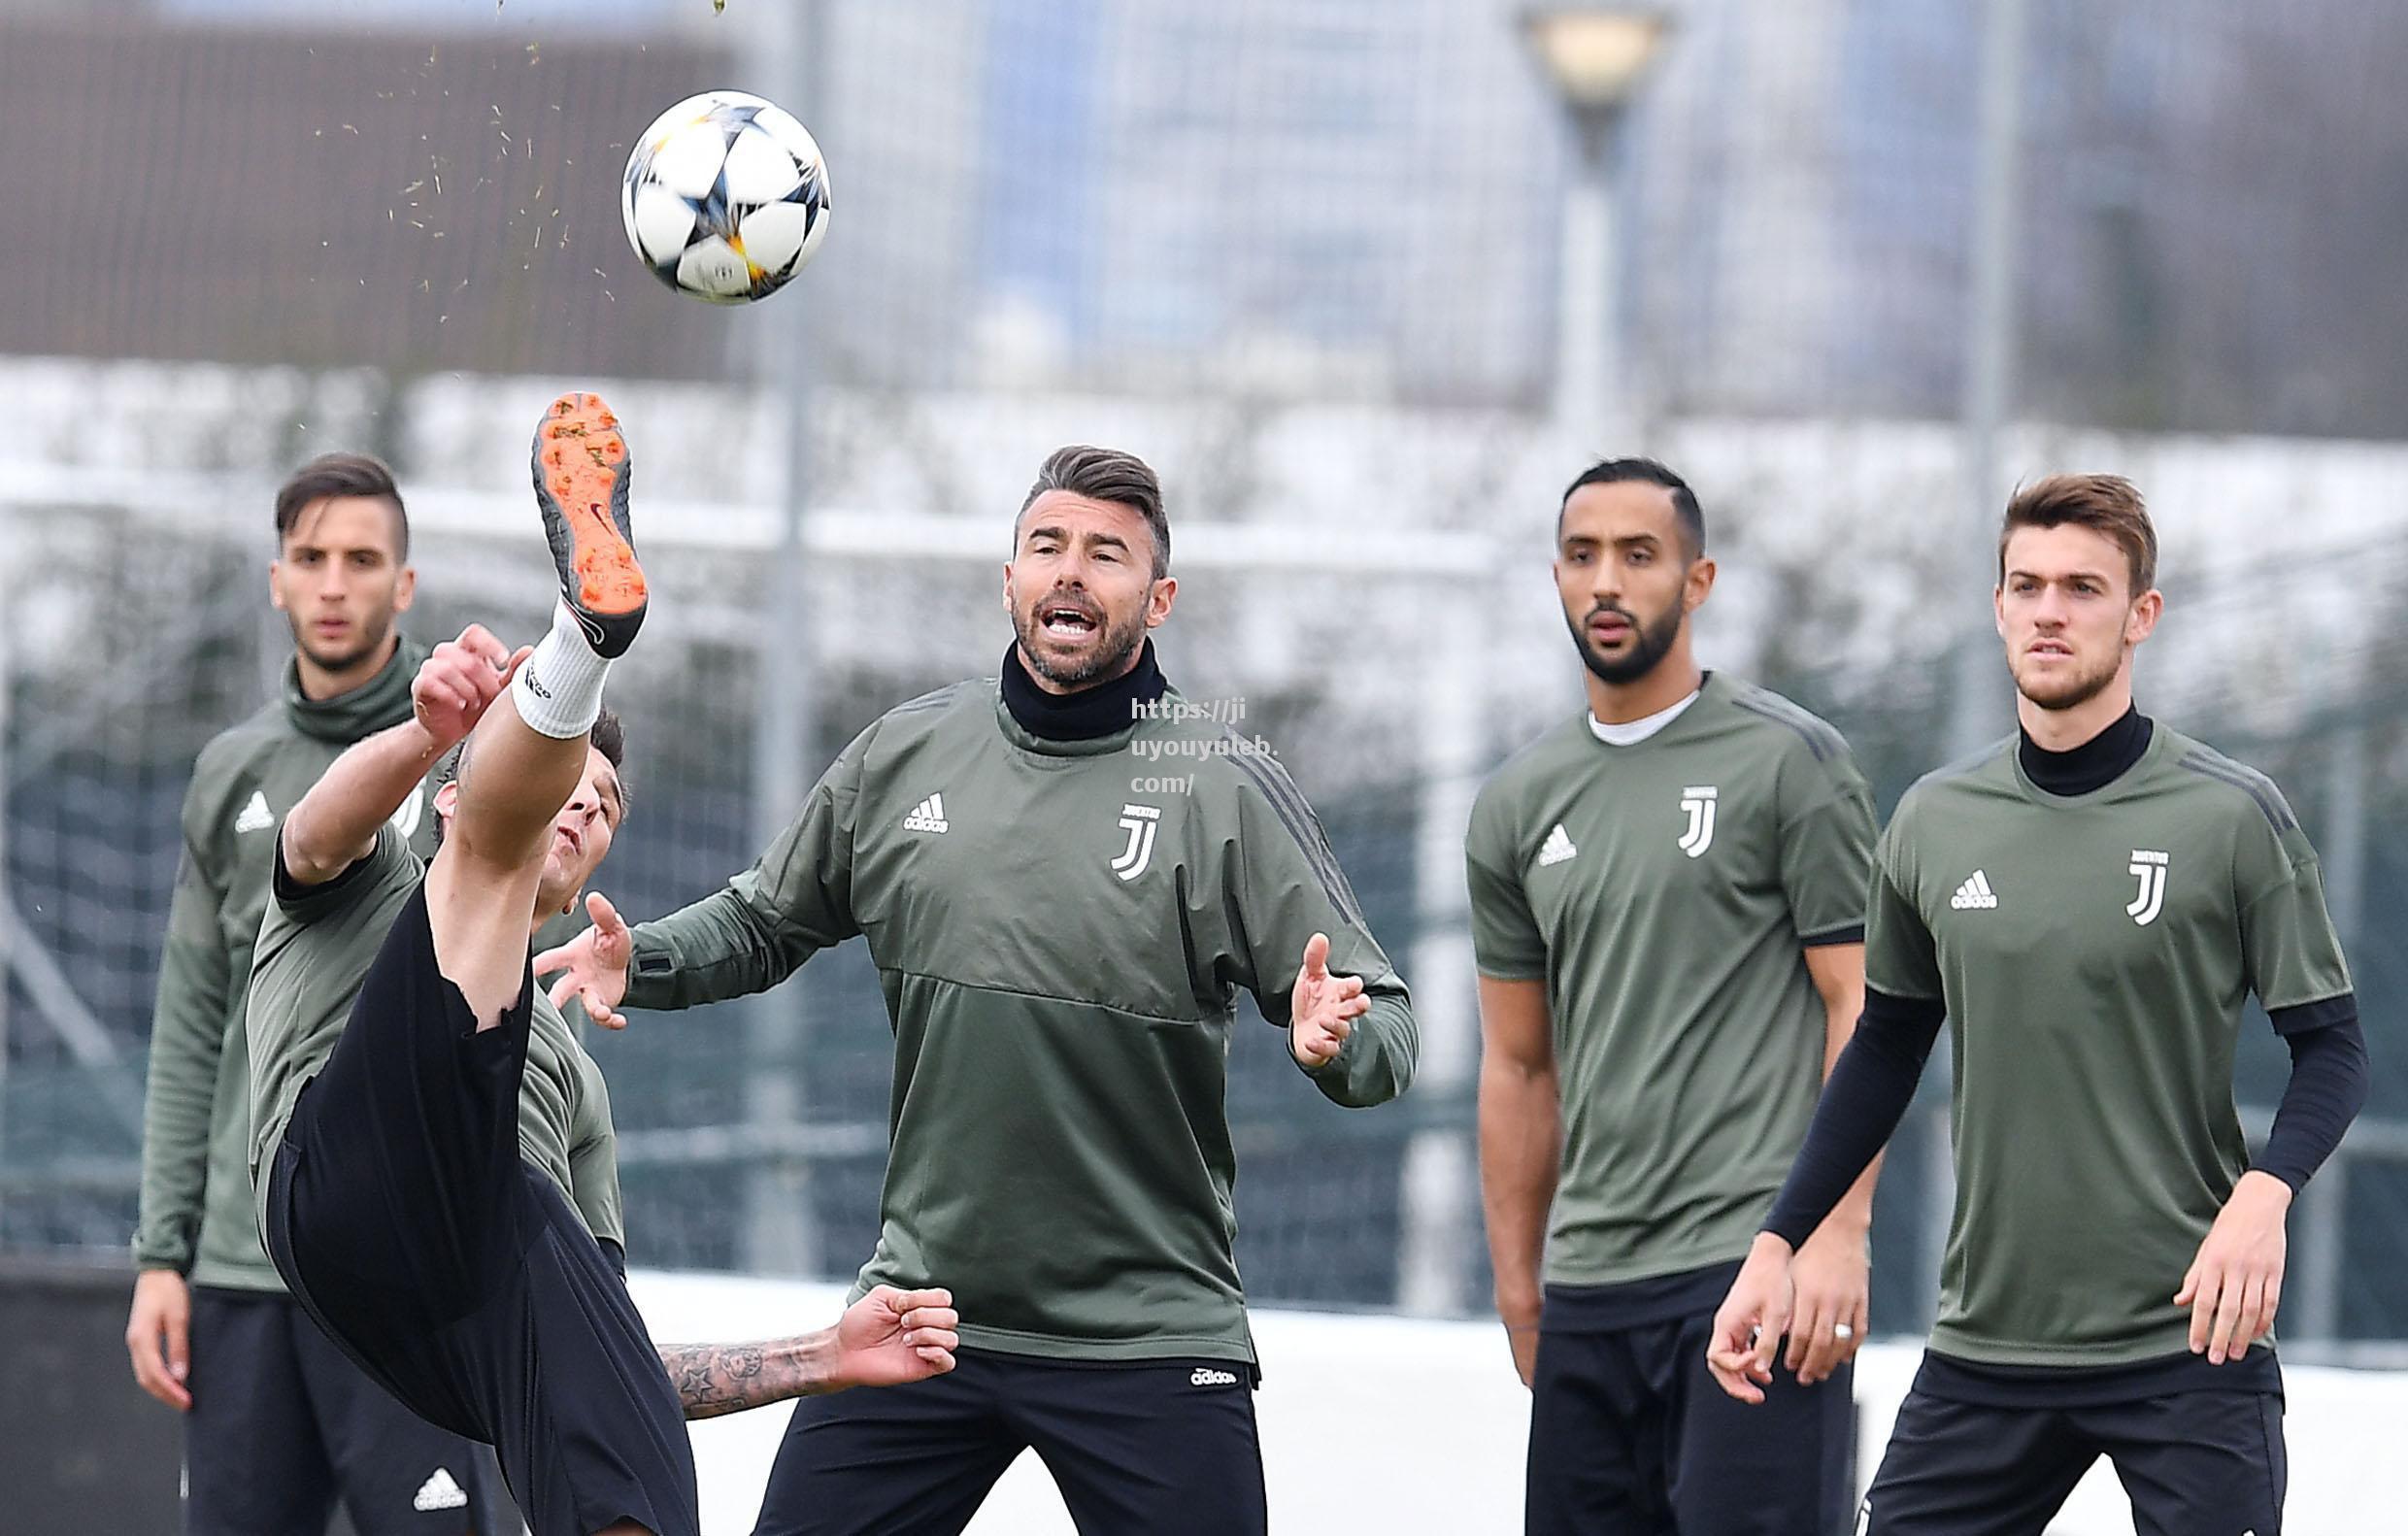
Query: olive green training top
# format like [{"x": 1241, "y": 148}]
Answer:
[
  {"x": 1666, "y": 890},
  {"x": 1060, "y": 955},
  {"x": 195, "y": 1213},
  {"x": 2094, "y": 953}
]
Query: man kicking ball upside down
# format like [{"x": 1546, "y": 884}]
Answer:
[{"x": 426, "y": 1131}]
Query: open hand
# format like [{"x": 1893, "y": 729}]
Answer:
[
  {"x": 596, "y": 964},
  {"x": 1322, "y": 1008}
]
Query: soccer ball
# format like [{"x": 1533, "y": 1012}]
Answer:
[{"x": 726, "y": 197}]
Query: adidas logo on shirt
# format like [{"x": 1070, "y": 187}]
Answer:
[
  {"x": 928, "y": 817},
  {"x": 1975, "y": 894},
  {"x": 442, "y": 1492},
  {"x": 255, "y": 817},
  {"x": 1556, "y": 848}
]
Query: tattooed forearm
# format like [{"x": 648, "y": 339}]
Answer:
[
  {"x": 715, "y": 1379},
  {"x": 712, "y": 1379}
]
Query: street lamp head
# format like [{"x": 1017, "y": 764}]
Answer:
[{"x": 1595, "y": 54}]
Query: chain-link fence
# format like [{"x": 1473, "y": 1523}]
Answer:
[
  {"x": 1302, "y": 254},
  {"x": 94, "y": 773},
  {"x": 143, "y": 632}
]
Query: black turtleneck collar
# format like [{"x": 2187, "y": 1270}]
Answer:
[
  {"x": 1091, "y": 712},
  {"x": 2094, "y": 765}
]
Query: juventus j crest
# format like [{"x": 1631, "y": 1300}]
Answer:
[
  {"x": 2149, "y": 867},
  {"x": 1697, "y": 803},
  {"x": 1139, "y": 822}
]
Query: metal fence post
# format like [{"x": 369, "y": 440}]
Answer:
[
  {"x": 778, "y": 1234},
  {"x": 8, "y": 520},
  {"x": 1441, "y": 1193},
  {"x": 2342, "y": 851}
]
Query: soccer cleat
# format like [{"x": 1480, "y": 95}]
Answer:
[{"x": 581, "y": 468}]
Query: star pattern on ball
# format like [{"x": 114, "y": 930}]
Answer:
[{"x": 726, "y": 197}]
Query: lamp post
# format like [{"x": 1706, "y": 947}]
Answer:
[
  {"x": 1596, "y": 56},
  {"x": 1593, "y": 56}
]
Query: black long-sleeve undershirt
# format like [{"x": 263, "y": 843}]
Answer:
[
  {"x": 1874, "y": 1080},
  {"x": 2328, "y": 1088},
  {"x": 1870, "y": 1086},
  {"x": 1873, "y": 1083}
]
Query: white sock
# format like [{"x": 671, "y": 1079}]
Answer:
[{"x": 559, "y": 690}]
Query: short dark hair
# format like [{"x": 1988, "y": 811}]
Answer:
[
  {"x": 1613, "y": 471},
  {"x": 2105, "y": 503},
  {"x": 341, "y": 474},
  {"x": 609, "y": 737},
  {"x": 1106, "y": 474}
]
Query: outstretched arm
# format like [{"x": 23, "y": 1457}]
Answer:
[
  {"x": 334, "y": 824},
  {"x": 1308, "y": 955},
  {"x": 888, "y": 1338},
  {"x": 745, "y": 938}
]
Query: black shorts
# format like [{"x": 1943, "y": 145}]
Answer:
[
  {"x": 1165, "y": 1447},
  {"x": 1630, "y": 1436},
  {"x": 2196, "y": 1463},
  {"x": 282, "y": 1426},
  {"x": 456, "y": 1273}
]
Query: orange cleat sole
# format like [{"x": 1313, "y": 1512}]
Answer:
[{"x": 581, "y": 468}]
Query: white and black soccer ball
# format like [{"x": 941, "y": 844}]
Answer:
[{"x": 726, "y": 197}]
